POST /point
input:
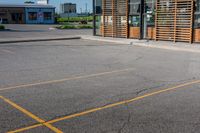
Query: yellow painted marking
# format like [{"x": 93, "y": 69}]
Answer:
[
  {"x": 26, "y": 128},
  {"x": 110, "y": 105},
  {"x": 31, "y": 115},
  {"x": 65, "y": 79},
  {"x": 7, "y": 51}
]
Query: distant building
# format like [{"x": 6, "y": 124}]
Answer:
[
  {"x": 43, "y": 2},
  {"x": 27, "y": 14},
  {"x": 68, "y": 8}
]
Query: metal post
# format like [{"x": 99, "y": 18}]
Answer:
[
  {"x": 94, "y": 18},
  {"x": 127, "y": 15},
  {"x": 141, "y": 18}
]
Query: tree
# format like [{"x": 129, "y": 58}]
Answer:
[{"x": 29, "y": 2}]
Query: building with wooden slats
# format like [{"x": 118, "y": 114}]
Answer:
[{"x": 168, "y": 20}]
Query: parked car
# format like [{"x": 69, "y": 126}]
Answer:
[{"x": 83, "y": 22}]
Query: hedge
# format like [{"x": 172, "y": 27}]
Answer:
[
  {"x": 2, "y": 27},
  {"x": 75, "y": 27},
  {"x": 75, "y": 19}
]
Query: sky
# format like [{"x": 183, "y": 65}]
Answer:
[{"x": 56, "y": 3}]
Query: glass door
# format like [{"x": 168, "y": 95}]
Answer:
[
  {"x": 134, "y": 19},
  {"x": 149, "y": 19}
]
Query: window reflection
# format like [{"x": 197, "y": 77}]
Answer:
[
  {"x": 197, "y": 14},
  {"x": 134, "y": 6},
  {"x": 98, "y": 7}
]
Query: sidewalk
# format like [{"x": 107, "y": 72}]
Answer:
[{"x": 178, "y": 46}]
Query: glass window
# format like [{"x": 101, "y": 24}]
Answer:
[
  {"x": 47, "y": 15},
  {"x": 2, "y": 14},
  {"x": 14, "y": 16},
  {"x": 197, "y": 14},
  {"x": 134, "y": 7},
  {"x": 99, "y": 25},
  {"x": 98, "y": 7},
  {"x": 197, "y": 5},
  {"x": 134, "y": 21},
  {"x": 32, "y": 15},
  {"x": 149, "y": 10},
  {"x": 98, "y": 17},
  {"x": 197, "y": 21},
  {"x": 149, "y": 6}
]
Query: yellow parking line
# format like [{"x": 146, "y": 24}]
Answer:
[
  {"x": 110, "y": 105},
  {"x": 65, "y": 79},
  {"x": 56, "y": 130},
  {"x": 7, "y": 51},
  {"x": 26, "y": 128}
]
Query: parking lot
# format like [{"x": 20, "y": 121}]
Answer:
[
  {"x": 81, "y": 86},
  {"x": 34, "y": 31}
]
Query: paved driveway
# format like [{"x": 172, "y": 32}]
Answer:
[{"x": 81, "y": 86}]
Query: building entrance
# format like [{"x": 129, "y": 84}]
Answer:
[{"x": 148, "y": 19}]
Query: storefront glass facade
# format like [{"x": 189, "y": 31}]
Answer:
[
  {"x": 141, "y": 19},
  {"x": 98, "y": 16},
  {"x": 197, "y": 14}
]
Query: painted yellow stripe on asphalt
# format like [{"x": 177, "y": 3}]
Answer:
[
  {"x": 65, "y": 79},
  {"x": 110, "y": 105},
  {"x": 7, "y": 51},
  {"x": 26, "y": 128},
  {"x": 31, "y": 115}
]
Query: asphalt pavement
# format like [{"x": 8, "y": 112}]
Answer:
[
  {"x": 21, "y": 31},
  {"x": 81, "y": 86}
]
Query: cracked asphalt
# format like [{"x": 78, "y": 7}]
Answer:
[{"x": 56, "y": 79}]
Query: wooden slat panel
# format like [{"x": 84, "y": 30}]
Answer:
[
  {"x": 134, "y": 32},
  {"x": 174, "y": 20},
  {"x": 197, "y": 35},
  {"x": 115, "y": 18}
]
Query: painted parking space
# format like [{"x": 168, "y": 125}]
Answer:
[
  {"x": 75, "y": 95},
  {"x": 63, "y": 79},
  {"x": 166, "y": 112},
  {"x": 31, "y": 115},
  {"x": 98, "y": 109},
  {"x": 12, "y": 118},
  {"x": 63, "y": 84}
]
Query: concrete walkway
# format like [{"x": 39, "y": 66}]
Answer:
[{"x": 178, "y": 46}]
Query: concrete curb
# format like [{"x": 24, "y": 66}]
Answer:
[
  {"x": 195, "y": 48},
  {"x": 174, "y": 48},
  {"x": 107, "y": 39},
  {"x": 39, "y": 39},
  {"x": 141, "y": 43}
]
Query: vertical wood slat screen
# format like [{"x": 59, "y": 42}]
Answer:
[
  {"x": 115, "y": 18},
  {"x": 174, "y": 20},
  {"x": 107, "y": 16}
]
